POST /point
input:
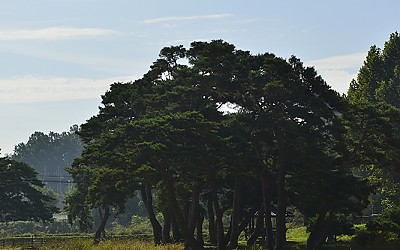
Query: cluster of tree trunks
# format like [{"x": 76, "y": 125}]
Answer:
[{"x": 187, "y": 225}]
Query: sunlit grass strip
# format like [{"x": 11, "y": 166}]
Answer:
[
  {"x": 110, "y": 245},
  {"x": 299, "y": 234}
]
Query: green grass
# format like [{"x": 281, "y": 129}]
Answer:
[
  {"x": 298, "y": 234},
  {"x": 296, "y": 238},
  {"x": 109, "y": 245}
]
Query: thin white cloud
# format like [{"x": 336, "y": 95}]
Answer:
[
  {"x": 339, "y": 80},
  {"x": 184, "y": 18},
  {"x": 338, "y": 71},
  {"x": 115, "y": 66},
  {"x": 228, "y": 31},
  {"x": 175, "y": 42},
  {"x": 169, "y": 25},
  {"x": 244, "y": 21},
  {"x": 339, "y": 62},
  {"x": 30, "y": 89},
  {"x": 53, "y": 33}
]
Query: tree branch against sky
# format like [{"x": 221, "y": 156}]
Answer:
[{"x": 61, "y": 53}]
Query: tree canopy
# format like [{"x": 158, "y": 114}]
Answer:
[
  {"x": 285, "y": 145},
  {"x": 49, "y": 154},
  {"x": 379, "y": 78},
  {"x": 21, "y": 196},
  {"x": 374, "y": 118}
]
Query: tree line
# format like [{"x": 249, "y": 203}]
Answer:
[{"x": 49, "y": 154}]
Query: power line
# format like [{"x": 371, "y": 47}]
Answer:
[
  {"x": 65, "y": 182},
  {"x": 58, "y": 176}
]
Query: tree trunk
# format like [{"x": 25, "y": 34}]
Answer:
[
  {"x": 234, "y": 232},
  {"x": 101, "y": 229},
  {"x": 266, "y": 181},
  {"x": 220, "y": 226},
  {"x": 190, "y": 242},
  {"x": 194, "y": 214},
  {"x": 166, "y": 227},
  {"x": 199, "y": 229},
  {"x": 176, "y": 233},
  {"x": 281, "y": 210},
  {"x": 228, "y": 233},
  {"x": 247, "y": 219},
  {"x": 148, "y": 202},
  {"x": 186, "y": 209},
  {"x": 259, "y": 227},
  {"x": 318, "y": 232},
  {"x": 212, "y": 229},
  {"x": 103, "y": 232}
]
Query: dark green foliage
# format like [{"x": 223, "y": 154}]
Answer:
[
  {"x": 387, "y": 222},
  {"x": 21, "y": 197},
  {"x": 373, "y": 119},
  {"x": 373, "y": 133},
  {"x": 167, "y": 131},
  {"x": 49, "y": 154},
  {"x": 378, "y": 79}
]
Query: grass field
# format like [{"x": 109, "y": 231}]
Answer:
[
  {"x": 110, "y": 245},
  {"x": 296, "y": 237},
  {"x": 87, "y": 244}
]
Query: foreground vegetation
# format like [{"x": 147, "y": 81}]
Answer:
[
  {"x": 296, "y": 237},
  {"x": 87, "y": 244},
  {"x": 139, "y": 236}
]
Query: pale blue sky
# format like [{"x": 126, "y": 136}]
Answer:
[{"x": 58, "y": 56}]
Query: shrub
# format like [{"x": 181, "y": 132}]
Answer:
[{"x": 388, "y": 223}]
